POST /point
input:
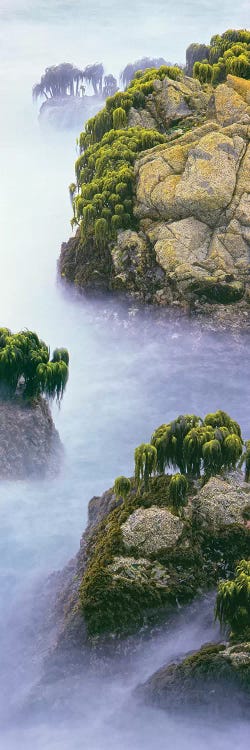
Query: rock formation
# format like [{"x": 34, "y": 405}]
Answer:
[
  {"x": 138, "y": 559},
  {"x": 29, "y": 443},
  {"x": 216, "y": 678},
  {"x": 191, "y": 235}
]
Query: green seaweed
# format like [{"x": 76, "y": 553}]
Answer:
[{"x": 26, "y": 367}]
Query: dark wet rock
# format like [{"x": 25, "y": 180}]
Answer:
[
  {"x": 215, "y": 679},
  {"x": 138, "y": 561},
  {"x": 29, "y": 442}
]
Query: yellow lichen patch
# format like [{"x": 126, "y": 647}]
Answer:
[
  {"x": 201, "y": 191},
  {"x": 230, "y": 106},
  {"x": 166, "y": 255},
  {"x": 241, "y": 85},
  {"x": 183, "y": 242},
  {"x": 176, "y": 157},
  {"x": 150, "y": 174},
  {"x": 163, "y": 197}
]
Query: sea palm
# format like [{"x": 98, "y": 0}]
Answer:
[
  {"x": 145, "y": 463},
  {"x": 233, "y": 602},
  {"x": 25, "y": 361},
  {"x": 93, "y": 74}
]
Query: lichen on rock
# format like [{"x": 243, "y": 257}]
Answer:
[
  {"x": 221, "y": 503},
  {"x": 190, "y": 212},
  {"x": 151, "y": 529}
]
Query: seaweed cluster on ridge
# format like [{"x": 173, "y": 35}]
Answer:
[
  {"x": 149, "y": 551},
  {"x": 228, "y": 53}
]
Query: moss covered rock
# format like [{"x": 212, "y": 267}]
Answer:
[
  {"x": 216, "y": 679},
  {"x": 138, "y": 559}
]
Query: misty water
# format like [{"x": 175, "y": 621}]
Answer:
[{"x": 130, "y": 370}]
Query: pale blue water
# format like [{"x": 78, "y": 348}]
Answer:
[{"x": 129, "y": 370}]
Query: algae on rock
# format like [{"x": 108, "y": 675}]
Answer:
[{"x": 183, "y": 236}]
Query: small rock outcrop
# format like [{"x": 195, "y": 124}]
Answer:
[
  {"x": 216, "y": 679},
  {"x": 29, "y": 442}
]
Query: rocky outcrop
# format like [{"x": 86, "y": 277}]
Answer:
[
  {"x": 172, "y": 102},
  {"x": 216, "y": 679},
  {"x": 191, "y": 204},
  {"x": 198, "y": 196},
  {"x": 29, "y": 443},
  {"x": 138, "y": 560}
]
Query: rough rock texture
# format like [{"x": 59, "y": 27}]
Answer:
[
  {"x": 192, "y": 205},
  {"x": 29, "y": 443},
  {"x": 199, "y": 200},
  {"x": 219, "y": 503},
  {"x": 139, "y": 569},
  {"x": 215, "y": 678},
  {"x": 170, "y": 103},
  {"x": 151, "y": 529},
  {"x": 137, "y": 561}
]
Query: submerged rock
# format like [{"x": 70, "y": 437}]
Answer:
[
  {"x": 216, "y": 679},
  {"x": 29, "y": 442}
]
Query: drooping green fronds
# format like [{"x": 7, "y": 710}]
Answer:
[
  {"x": 211, "y": 452},
  {"x": 227, "y": 54},
  {"x": 119, "y": 118},
  {"x": 105, "y": 179},
  {"x": 232, "y": 450},
  {"x": 135, "y": 96},
  {"x": 25, "y": 366},
  {"x": 233, "y": 602},
  {"x": 178, "y": 488},
  {"x": 139, "y": 65},
  {"x": 194, "y": 446},
  {"x": 145, "y": 463},
  {"x": 245, "y": 459},
  {"x": 101, "y": 232},
  {"x": 122, "y": 487},
  {"x": 60, "y": 355}
]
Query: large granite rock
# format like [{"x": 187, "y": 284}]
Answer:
[
  {"x": 192, "y": 204},
  {"x": 29, "y": 443},
  {"x": 171, "y": 101},
  {"x": 215, "y": 679},
  {"x": 194, "y": 210}
]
